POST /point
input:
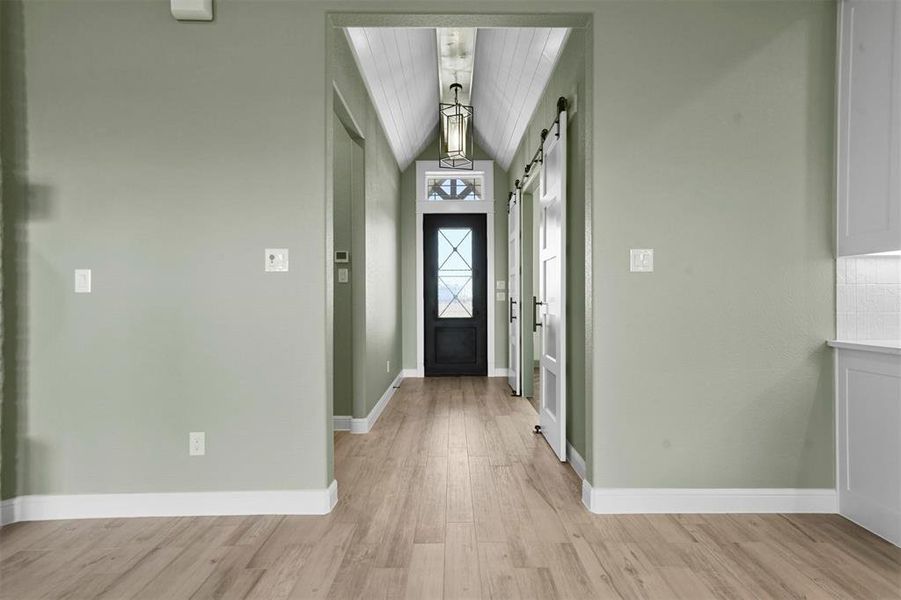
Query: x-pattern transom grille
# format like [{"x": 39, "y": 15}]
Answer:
[{"x": 454, "y": 188}]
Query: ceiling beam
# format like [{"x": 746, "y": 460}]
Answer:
[{"x": 456, "y": 55}]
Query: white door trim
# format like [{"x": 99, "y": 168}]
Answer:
[{"x": 486, "y": 207}]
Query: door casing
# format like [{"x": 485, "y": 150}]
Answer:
[
  {"x": 423, "y": 169},
  {"x": 433, "y": 223}
]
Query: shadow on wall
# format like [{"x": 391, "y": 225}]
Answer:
[{"x": 14, "y": 152}]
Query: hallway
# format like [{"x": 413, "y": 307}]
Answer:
[{"x": 450, "y": 496}]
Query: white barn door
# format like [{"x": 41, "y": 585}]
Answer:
[
  {"x": 514, "y": 291},
  {"x": 551, "y": 216}
]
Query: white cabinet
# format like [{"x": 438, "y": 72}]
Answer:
[
  {"x": 869, "y": 127},
  {"x": 869, "y": 440}
]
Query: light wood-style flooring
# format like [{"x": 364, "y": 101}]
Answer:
[{"x": 450, "y": 496}]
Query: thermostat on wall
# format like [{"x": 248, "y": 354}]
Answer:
[{"x": 342, "y": 256}]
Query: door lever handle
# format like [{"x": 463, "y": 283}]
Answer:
[
  {"x": 512, "y": 302},
  {"x": 535, "y": 323}
]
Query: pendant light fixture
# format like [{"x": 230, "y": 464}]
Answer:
[{"x": 455, "y": 131}]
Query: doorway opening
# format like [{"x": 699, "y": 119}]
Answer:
[
  {"x": 531, "y": 331},
  {"x": 348, "y": 185},
  {"x": 546, "y": 172},
  {"x": 447, "y": 197},
  {"x": 455, "y": 289},
  {"x": 454, "y": 307}
]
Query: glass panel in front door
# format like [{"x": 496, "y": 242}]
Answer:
[{"x": 454, "y": 273}]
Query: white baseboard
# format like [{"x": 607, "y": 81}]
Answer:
[
  {"x": 499, "y": 372},
  {"x": 586, "y": 495},
  {"x": 332, "y": 495},
  {"x": 671, "y": 500},
  {"x": 576, "y": 461},
  {"x": 8, "y": 509},
  {"x": 365, "y": 425},
  {"x": 175, "y": 504}
]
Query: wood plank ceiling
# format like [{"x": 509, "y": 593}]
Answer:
[
  {"x": 512, "y": 69},
  {"x": 400, "y": 69}
]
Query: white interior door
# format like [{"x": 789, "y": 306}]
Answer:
[
  {"x": 552, "y": 288},
  {"x": 514, "y": 294}
]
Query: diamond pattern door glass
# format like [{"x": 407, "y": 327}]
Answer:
[{"x": 454, "y": 273}]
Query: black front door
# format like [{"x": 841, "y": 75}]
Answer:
[{"x": 455, "y": 287}]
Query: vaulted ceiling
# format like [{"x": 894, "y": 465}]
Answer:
[
  {"x": 399, "y": 67},
  {"x": 511, "y": 70}
]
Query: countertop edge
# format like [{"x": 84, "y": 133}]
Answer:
[{"x": 880, "y": 347}]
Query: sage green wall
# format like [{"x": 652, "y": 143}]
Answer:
[
  {"x": 168, "y": 156},
  {"x": 343, "y": 177},
  {"x": 714, "y": 146},
  {"x": 376, "y": 242},
  {"x": 3, "y": 49},
  {"x": 13, "y": 167},
  {"x": 568, "y": 80},
  {"x": 182, "y": 150},
  {"x": 383, "y": 277},
  {"x": 408, "y": 255}
]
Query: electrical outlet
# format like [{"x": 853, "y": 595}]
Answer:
[
  {"x": 387, "y": 366},
  {"x": 197, "y": 443}
]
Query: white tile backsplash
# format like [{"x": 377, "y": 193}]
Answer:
[{"x": 868, "y": 298}]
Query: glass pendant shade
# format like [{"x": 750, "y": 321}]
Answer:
[{"x": 455, "y": 133}]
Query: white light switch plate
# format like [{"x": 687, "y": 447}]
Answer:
[
  {"x": 276, "y": 259},
  {"x": 501, "y": 296},
  {"x": 641, "y": 260},
  {"x": 197, "y": 443},
  {"x": 192, "y": 10},
  {"x": 342, "y": 276},
  {"x": 501, "y": 284},
  {"x": 82, "y": 281}
]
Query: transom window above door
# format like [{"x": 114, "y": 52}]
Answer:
[{"x": 441, "y": 188}]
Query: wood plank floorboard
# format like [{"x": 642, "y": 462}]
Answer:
[{"x": 450, "y": 496}]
